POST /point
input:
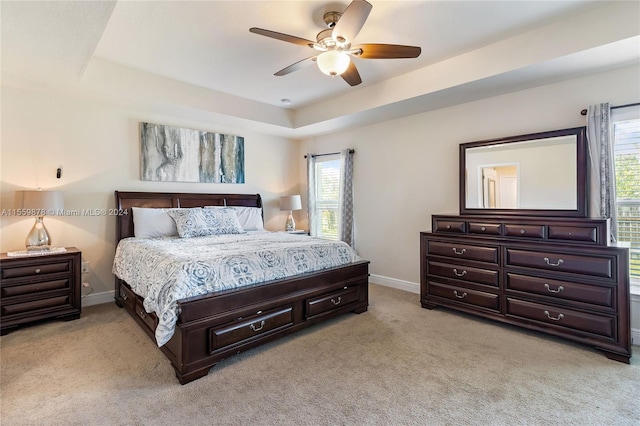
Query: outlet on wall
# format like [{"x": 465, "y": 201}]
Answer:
[{"x": 85, "y": 267}]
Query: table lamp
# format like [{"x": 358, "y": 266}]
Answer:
[
  {"x": 40, "y": 203},
  {"x": 290, "y": 203}
]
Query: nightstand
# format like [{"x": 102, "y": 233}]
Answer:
[{"x": 34, "y": 288}]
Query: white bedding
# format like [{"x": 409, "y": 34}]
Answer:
[{"x": 165, "y": 270}]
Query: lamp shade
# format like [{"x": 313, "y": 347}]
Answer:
[
  {"x": 291, "y": 202},
  {"x": 333, "y": 62},
  {"x": 43, "y": 202}
]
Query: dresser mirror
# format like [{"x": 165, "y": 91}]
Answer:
[{"x": 540, "y": 174}]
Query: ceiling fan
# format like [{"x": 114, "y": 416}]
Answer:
[{"x": 334, "y": 44}]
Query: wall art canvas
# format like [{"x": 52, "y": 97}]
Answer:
[{"x": 173, "y": 154}]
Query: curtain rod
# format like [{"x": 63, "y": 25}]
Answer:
[
  {"x": 584, "y": 111},
  {"x": 351, "y": 151}
]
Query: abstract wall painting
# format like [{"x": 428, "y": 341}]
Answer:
[{"x": 173, "y": 154}]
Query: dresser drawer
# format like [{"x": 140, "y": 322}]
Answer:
[
  {"x": 35, "y": 306},
  {"x": 465, "y": 295},
  {"x": 463, "y": 251},
  {"x": 573, "y": 233},
  {"x": 40, "y": 269},
  {"x": 466, "y": 273},
  {"x": 564, "y": 290},
  {"x": 250, "y": 328},
  {"x": 601, "y": 325},
  {"x": 562, "y": 262},
  {"x": 485, "y": 228},
  {"x": 331, "y": 301},
  {"x": 453, "y": 226},
  {"x": 524, "y": 231},
  {"x": 34, "y": 288}
]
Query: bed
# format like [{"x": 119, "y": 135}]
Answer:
[{"x": 213, "y": 326}]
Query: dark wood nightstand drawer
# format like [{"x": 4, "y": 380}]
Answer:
[
  {"x": 36, "y": 269},
  {"x": 44, "y": 286},
  {"x": 34, "y": 306}
]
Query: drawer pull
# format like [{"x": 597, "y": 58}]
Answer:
[
  {"x": 560, "y": 262},
  {"x": 461, "y": 252},
  {"x": 448, "y": 226},
  {"x": 123, "y": 295},
  {"x": 37, "y": 271},
  {"x": 483, "y": 228},
  {"x": 522, "y": 231},
  {"x": 550, "y": 290},
  {"x": 558, "y": 318},
  {"x": 254, "y": 328},
  {"x": 459, "y": 296},
  {"x": 459, "y": 274},
  {"x": 143, "y": 314},
  {"x": 336, "y": 302}
]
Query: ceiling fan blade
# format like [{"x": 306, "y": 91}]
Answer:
[
  {"x": 283, "y": 37},
  {"x": 295, "y": 67},
  {"x": 351, "y": 21},
  {"x": 351, "y": 75},
  {"x": 387, "y": 51}
]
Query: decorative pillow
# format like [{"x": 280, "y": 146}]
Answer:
[
  {"x": 250, "y": 218},
  {"x": 199, "y": 222},
  {"x": 152, "y": 223}
]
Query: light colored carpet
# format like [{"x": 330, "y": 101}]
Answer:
[{"x": 397, "y": 364}]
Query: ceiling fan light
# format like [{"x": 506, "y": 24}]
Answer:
[{"x": 333, "y": 62}]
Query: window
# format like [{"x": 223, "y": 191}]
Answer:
[
  {"x": 327, "y": 173},
  {"x": 626, "y": 134}
]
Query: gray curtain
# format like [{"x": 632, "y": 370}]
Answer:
[
  {"x": 602, "y": 182},
  {"x": 345, "y": 211},
  {"x": 311, "y": 194}
]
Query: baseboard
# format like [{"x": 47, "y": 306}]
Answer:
[
  {"x": 98, "y": 298},
  {"x": 415, "y": 288},
  {"x": 394, "y": 283}
]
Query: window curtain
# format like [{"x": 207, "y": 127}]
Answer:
[
  {"x": 345, "y": 206},
  {"x": 602, "y": 183},
  {"x": 311, "y": 194}
]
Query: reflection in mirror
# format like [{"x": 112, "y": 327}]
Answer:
[
  {"x": 542, "y": 173},
  {"x": 523, "y": 175}
]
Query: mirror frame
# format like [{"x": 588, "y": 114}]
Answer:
[{"x": 581, "y": 174}]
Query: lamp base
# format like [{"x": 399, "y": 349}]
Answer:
[
  {"x": 291, "y": 224},
  {"x": 38, "y": 238}
]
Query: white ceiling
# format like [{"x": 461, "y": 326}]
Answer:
[{"x": 469, "y": 49}]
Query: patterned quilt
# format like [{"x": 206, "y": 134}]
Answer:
[{"x": 165, "y": 270}]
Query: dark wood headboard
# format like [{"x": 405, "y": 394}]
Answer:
[{"x": 126, "y": 200}]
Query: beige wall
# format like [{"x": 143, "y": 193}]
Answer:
[
  {"x": 405, "y": 170},
  {"x": 96, "y": 143}
]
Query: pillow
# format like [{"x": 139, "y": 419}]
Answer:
[
  {"x": 250, "y": 218},
  {"x": 152, "y": 223},
  {"x": 199, "y": 222}
]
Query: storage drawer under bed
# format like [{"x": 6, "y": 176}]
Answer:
[
  {"x": 248, "y": 329},
  {"x": 328, "y": 302}
]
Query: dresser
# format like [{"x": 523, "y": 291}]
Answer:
[
  {"x": 35, "y": 288},
  {"x": 553, "y": 275}
]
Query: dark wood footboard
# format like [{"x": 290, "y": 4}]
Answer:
[{"x": 213, "y": 327}]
